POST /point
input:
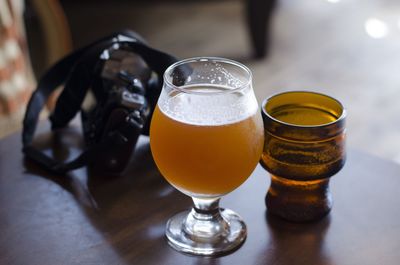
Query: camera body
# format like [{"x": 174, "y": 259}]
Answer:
[
  {"x": 116, "y": 106},
  {"x": 114, "y": 84}
]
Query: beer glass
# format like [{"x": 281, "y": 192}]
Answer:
[
  {"x": 206, "y": 137},
  {"x": 304, "y": 147}
]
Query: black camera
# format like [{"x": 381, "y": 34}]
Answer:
[{"x": 114, "y": 83}]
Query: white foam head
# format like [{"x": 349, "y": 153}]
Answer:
[
  {"x": 209, "y": 105},
  {"x": 207, "y": 91}
]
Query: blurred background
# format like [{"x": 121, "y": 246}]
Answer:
[{"x": 349, "y": 49}]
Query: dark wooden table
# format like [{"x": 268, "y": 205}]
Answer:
[{"x": 88, "y": 219}]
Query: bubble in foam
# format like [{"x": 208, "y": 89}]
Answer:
[{"x": 205, "y": 107}]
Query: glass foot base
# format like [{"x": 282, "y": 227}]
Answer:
[{"x": 224, "y": 232}]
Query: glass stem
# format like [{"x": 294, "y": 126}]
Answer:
[{"x": 204, "y": 222}]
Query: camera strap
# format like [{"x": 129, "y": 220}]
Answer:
[{"x": 75, "y": 72}]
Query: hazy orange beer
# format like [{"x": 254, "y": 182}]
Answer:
[{"x": 208, "y": 159}]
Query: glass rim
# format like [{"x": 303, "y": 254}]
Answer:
[
  {"x": 339, "y": 119},
  {"x": 205, "y": 59}
]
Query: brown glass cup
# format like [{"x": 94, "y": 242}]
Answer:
[{"x": 304, "y": 147}]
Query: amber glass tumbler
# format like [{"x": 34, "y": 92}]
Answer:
[{"x": 304, "y": 147}]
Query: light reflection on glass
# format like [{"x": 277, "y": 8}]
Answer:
[
  {"x": 333, "y": 1},
  {"x": 376, "y": 28}
]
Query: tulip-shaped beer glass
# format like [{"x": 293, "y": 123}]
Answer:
[{"x": 206, "y": 138}]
